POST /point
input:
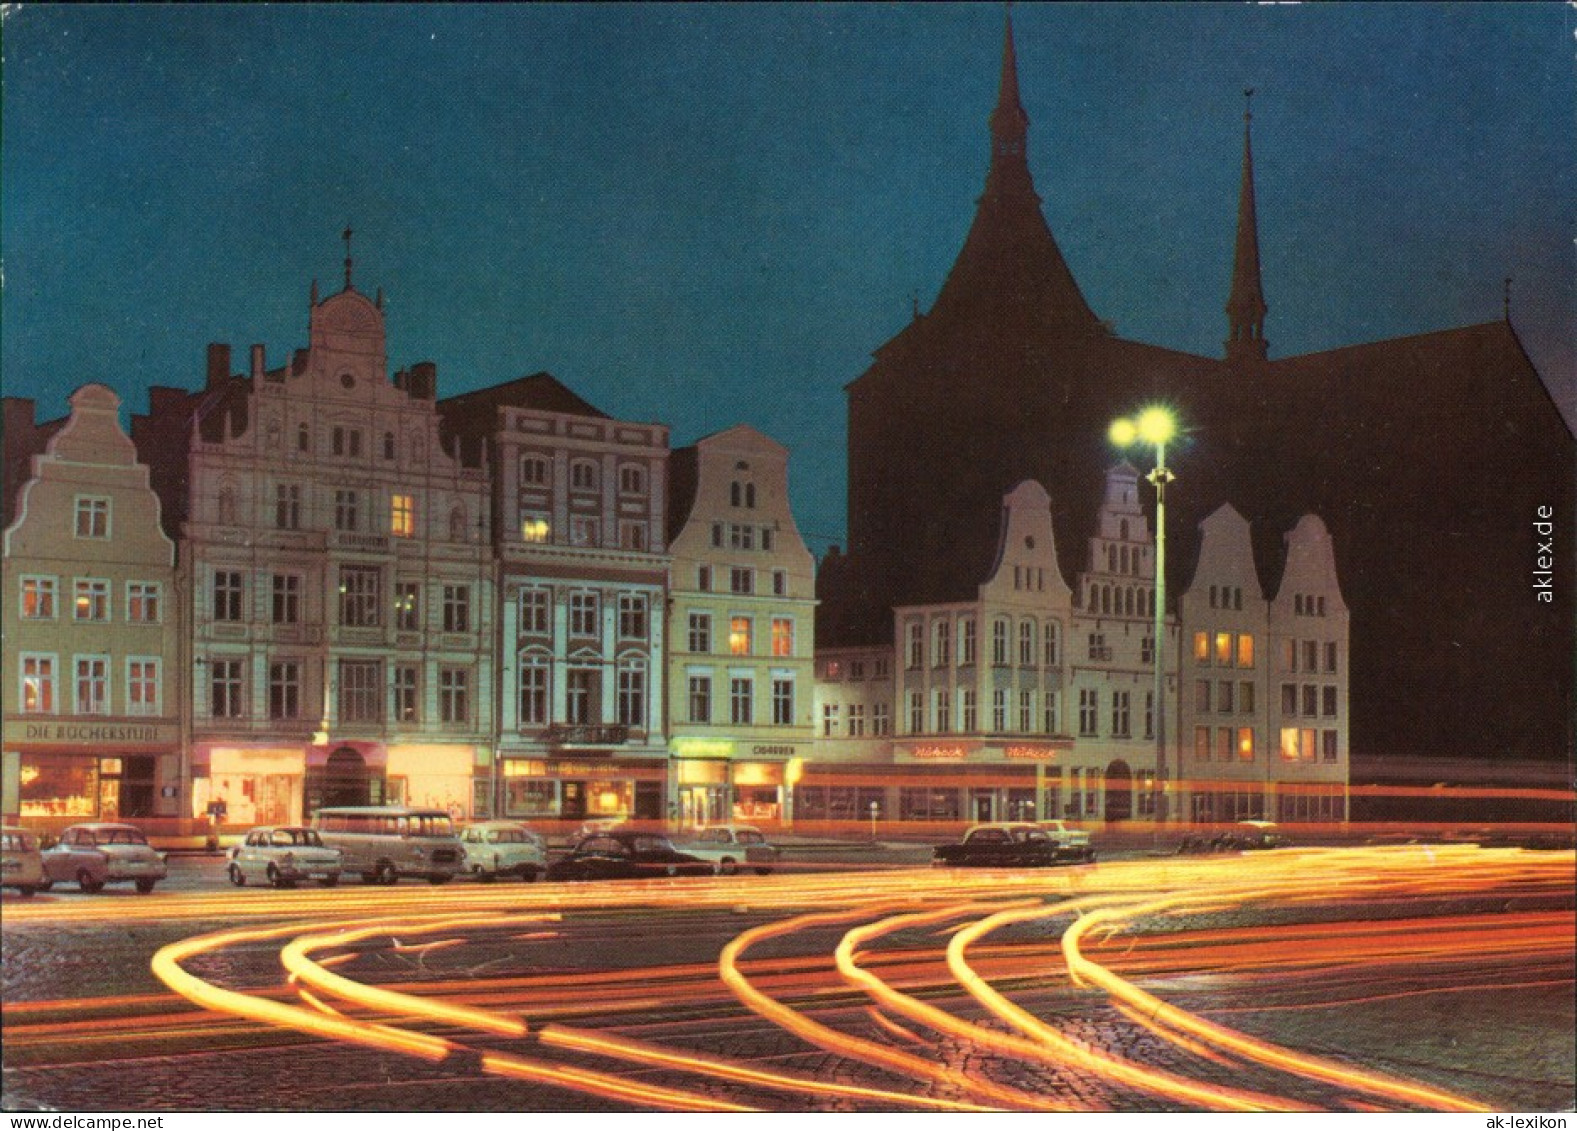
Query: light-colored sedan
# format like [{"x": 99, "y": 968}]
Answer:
[
  {"x": 102, "y": 853},
  {"x": 283, "y": 855},
  {"x": 21, "y": 863},
  {"x": 732, "y": 848},
  {"x": 503, "y": 848}
]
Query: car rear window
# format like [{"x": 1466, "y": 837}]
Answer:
[{"x": 119, "y": 836}]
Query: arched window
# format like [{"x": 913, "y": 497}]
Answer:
[
  {"x": 534, "y": 470},
  {"x": 1106, "y": 598},
  {"x": 457, "y": 525},
  {"x": 227, "y": 506},
  {"x": 583, "y": 475},
  {"x": 632, "y": 479}
]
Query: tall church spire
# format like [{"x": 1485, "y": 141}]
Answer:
[
  {"x": 1246, "y": 307},
  {"x": 1010, "y": 265}
]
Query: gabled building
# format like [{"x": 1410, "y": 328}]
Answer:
[
  {"x": 1264, "y": 688},
  {"x": 579, "y": 531},
  {"x": 741, "y": 631},
  {"x": 92, "y": 613},
  {"x": 339, "y": 571}
]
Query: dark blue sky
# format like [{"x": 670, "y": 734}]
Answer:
[{"x": 712, "y": 214}]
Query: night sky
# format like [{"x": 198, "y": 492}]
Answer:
[{"x": 713, "y": 214}]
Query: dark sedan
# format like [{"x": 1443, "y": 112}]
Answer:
[
  {"x": 1006, "y": 845},
  {"x": 626, "y": 855}
]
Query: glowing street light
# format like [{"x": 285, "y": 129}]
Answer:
[{"x": 1154, "y": 427}]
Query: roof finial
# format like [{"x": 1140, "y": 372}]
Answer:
[
  {"x": 346, "y": 237},
  {"x": 1506, "y": 299},
  {"x": 1248, "y": 104}
]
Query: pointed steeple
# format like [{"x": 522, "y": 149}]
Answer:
[
  {"x": 1010, "y": 263},
  {"x": 1246, "y": 307}
]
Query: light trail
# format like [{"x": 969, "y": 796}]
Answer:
[{"x": 844, "y": 987}]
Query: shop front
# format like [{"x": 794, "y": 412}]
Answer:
[
  {"x": 242, "y": 786},
  {"x": 577, "y": 790},
  {"x": 59, "y": 774},
  {"x": 433, "y": 776}
]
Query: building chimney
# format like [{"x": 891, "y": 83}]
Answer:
[
  {"x": 424, "y": 381},
  {"x": 257, "y": 363},
  {"x": 218, "y": 363}
]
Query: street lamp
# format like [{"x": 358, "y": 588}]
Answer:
[{"x": 1155, "y": 426}]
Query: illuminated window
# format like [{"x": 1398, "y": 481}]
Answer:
[
  {"x": 1289, "y": 744},
  {"x": 739, "y": 635},
  {"x": 1202, "y": 648},
  {"x": 93, "y": 599},
  {"x": 38, "y": 684},
  {"x": 1224, "y": 649},
  {"x": 142, "y": 685},
  {"x": 1306, "y": 738},
  {"x": 533, "y": 528},
  {"x": 38, "y": 598},
  {"x": 1245, "y": 651},
  {"x": 93, "y": 517},
  {"x": 1245, "y": 744},
  {"x": 782, "y": 636},
  {"x": 402, "y": 516}
]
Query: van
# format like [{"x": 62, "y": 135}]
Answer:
[{"x": 384, "y": 842}]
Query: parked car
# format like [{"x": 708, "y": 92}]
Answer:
[
  {"x": 1011, "y": 844},
  {"x": 1072, "y": 843},
  {"x": 21, "y": 863},
  {"x": 284, "y": 855},
  {"x": 732, "y": 847},
  {"x": 102, "y": 853},
  {"x": 623, "y": 854},
  {"x": 503, "y": 848}
]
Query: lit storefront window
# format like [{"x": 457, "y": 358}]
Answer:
[{"x": 59, "y": 786}]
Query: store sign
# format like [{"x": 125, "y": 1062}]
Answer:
[
  {"x": 938, "y": 753},
  {"x": 779, "y": 751},
  {"x": 702, "y": 747},
  {"x": 146, "y": 734},
  {"x": 1030, "y": 753}
]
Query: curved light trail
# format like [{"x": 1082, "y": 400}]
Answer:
[{"x": 940, "y": 989}]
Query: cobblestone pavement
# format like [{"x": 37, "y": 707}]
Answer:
[{"x": 1500, "y": 1036}]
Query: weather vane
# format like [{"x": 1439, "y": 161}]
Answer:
[{"x": 346, "y": 237}]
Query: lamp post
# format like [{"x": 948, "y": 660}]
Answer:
[{"x": 1154, "y": 427}]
